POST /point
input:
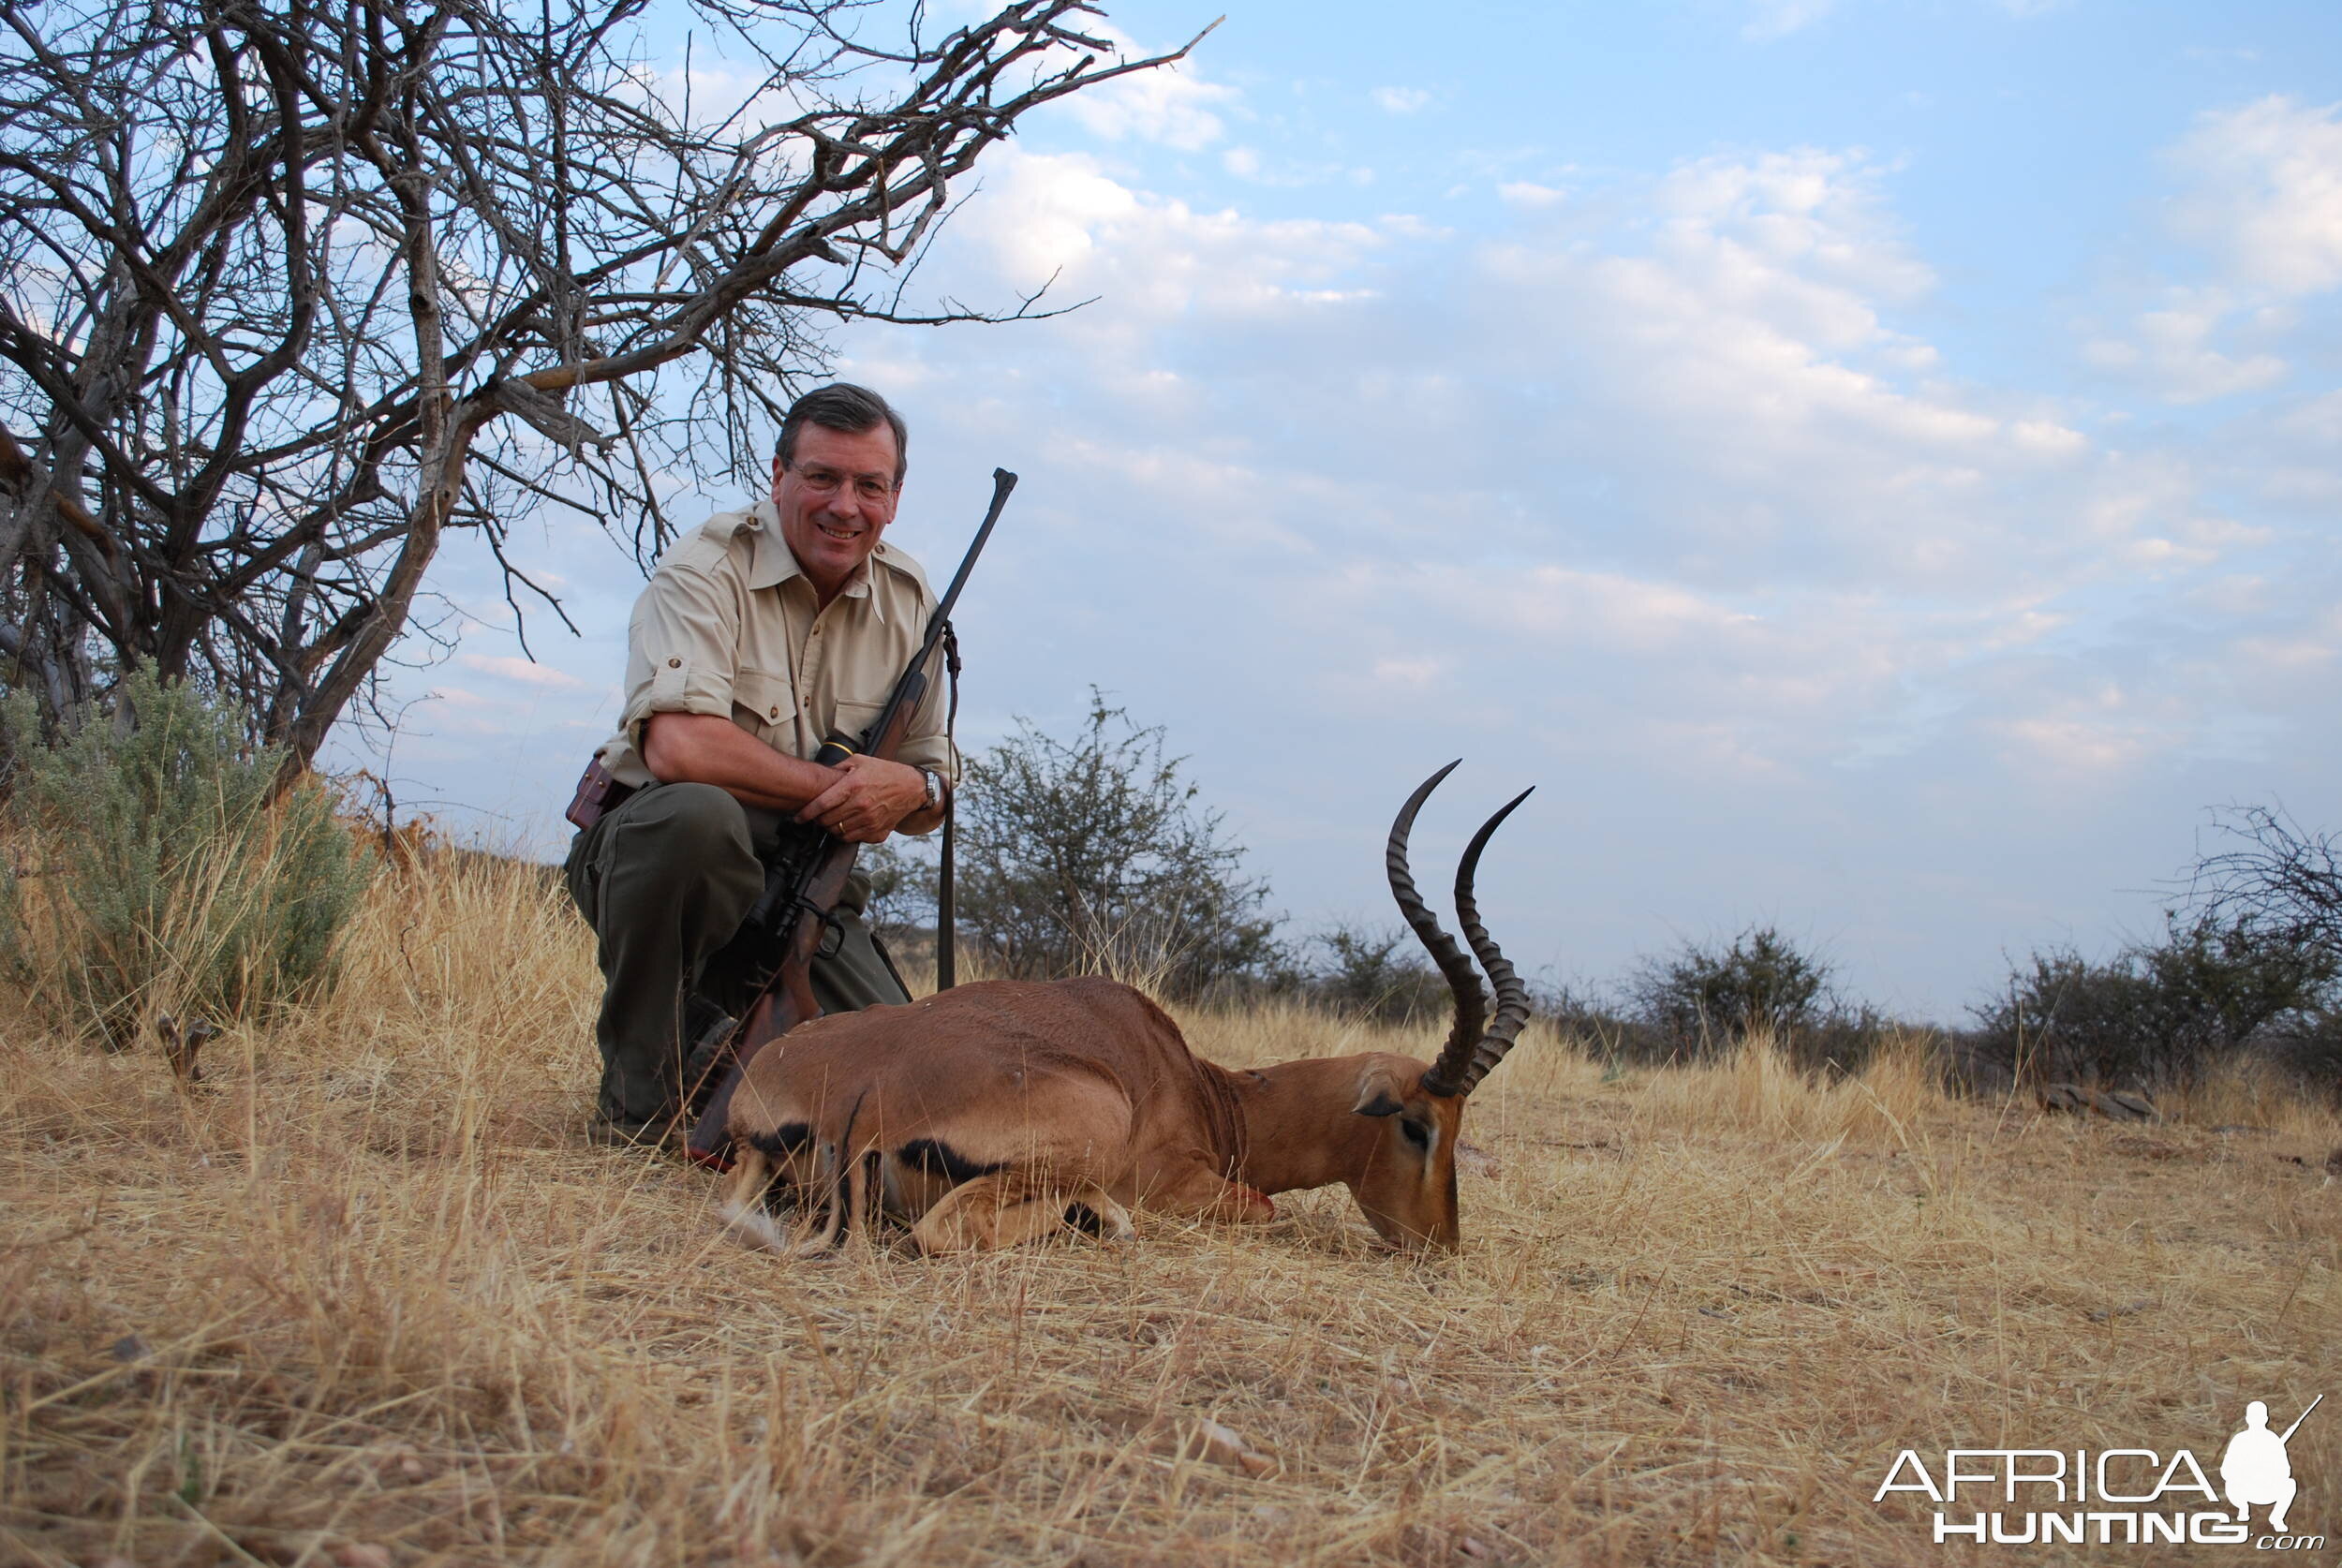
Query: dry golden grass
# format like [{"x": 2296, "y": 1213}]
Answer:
[{"x": 366, "y": 1296}]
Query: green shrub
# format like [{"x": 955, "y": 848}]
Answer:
[
  {"x": 1706, "y": 997},
  {"x": 1374, "y": 972},
  {"x": 1096, "y": 854},
  {"x": 2156, "y": 1015},
  {"x": 155, "y": 872}
]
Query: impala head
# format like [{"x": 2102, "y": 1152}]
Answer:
[{"x": 1405, "y": 1181}]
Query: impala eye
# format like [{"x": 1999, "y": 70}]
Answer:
[{"x": 1416, "y": 1133}]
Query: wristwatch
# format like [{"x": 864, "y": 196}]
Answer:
[{"x": 935, "y": 789}]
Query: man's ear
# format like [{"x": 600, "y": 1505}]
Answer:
[{"x": 1378, "y": 1092}]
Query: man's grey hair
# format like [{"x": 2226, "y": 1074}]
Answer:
[{"x": 848, "y": 409}]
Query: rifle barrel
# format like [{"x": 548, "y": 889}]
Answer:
[
  {"x": 1002, "y": 482},
  {"x": 2299, "y": 1419}
]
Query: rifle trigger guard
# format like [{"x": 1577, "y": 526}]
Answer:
[{"x": 832, "y": 930}]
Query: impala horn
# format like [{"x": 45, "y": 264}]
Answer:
[
  {"x": 1471, "y": 1009},
  {"x": 1462, "y": 1065}
]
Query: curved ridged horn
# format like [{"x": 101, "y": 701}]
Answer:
[
  {"x": 1472, "y": 1008},
  {"x": 1462, "y": 1066}
]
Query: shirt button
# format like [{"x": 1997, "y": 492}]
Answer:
[
  {"x": 674, "y": 664},
  {"x": 775, "y": 713}
]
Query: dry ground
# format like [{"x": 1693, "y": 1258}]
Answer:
[{"x": 367, "y": 1298}]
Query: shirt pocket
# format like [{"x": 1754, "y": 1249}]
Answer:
[
  {"x": 853, "y": 720},
  {"x": 763, "y": 702}
]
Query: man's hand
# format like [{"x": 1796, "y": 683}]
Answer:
[{"x": 870, "y": 802}]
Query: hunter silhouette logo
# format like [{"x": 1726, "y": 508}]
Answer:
[{"x": 2255, "y": 1472}]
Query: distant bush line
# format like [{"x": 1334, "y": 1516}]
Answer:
[{"x": 1094, "y": 853}]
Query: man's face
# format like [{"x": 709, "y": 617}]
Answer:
[{"x": 835, "y": 500}]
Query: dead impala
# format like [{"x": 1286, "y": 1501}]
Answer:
[{"x": 998, "y": 1112}]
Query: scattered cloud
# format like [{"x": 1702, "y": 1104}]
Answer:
[
  {"x": 1527, "y": 193},
  {"x": 1682, "y": 423},
  {"x": 525, "y": 672},
  {"x": 2260, "y": 197},
  {"x": 1065, "y": 216},
  {"x": 2265, "y": 193},
  {"x": 1777, "y": 19},
  {"x": 1172, "y": 104},
  {"x": 1401, "y": 100},
  {"x": 2170, "y": 349}
]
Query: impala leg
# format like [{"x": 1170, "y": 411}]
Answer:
[
  {"x": 743, "y": 1207},
  {"x": 1006, "y": 1208},
  {"x": 1200, "y": 1192}
]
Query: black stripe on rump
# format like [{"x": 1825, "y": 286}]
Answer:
[
  {"x": 841, "y": 1183},
  {"x": 936, "y": 1157}
]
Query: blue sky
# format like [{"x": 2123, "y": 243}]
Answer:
[{"x": 1874, "y": 464}]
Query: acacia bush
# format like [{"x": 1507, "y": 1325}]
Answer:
[
  {"x": 1706, "y": 997},
  {"x": 1092, "y": 854},
  {"x": 1376, "y": 973},
  {"x": 150, "y": 868},
  {"x": 2156, "y": 1015}
]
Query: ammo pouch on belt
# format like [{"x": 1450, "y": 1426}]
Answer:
[{"x": 597, "y": 794}]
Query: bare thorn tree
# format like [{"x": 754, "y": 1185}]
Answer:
[
  {"x": 291, "y": 292},
  {"x": 2274, "y": 877}
]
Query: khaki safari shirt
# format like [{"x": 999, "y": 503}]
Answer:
[{"x": 727, "y": 626}]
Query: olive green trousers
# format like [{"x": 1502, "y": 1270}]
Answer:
[{"x": 665, "y": 880}]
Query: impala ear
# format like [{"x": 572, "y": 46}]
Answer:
[{"x": 1378, "y": 1093}]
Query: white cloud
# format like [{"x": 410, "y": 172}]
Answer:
[
  {"x": 2171, "y": 350},
  {"x": 525, "y": 672},
  {"x": 1401, "y": 100},
  {"x": 1721, "y": 361},
  {"x": 2066, "y": 744},
  {"x": 2261, "y": 196},
  {"x": 1172, "y": 104},
  {"x": 1778, "y": 19},
  {"x": 1736, "y": 371},
  {"x": 1527, "y": 193},
  {"x": 1062, "y": 214},
  {"x": 2266, "y": 193}
]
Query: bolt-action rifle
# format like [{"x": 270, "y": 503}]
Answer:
[{"x": 794, "y": 912}]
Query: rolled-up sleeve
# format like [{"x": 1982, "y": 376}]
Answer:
[{"x": 682, "y": 648}]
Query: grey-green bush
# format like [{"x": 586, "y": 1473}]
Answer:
[
  {"x": 1096, "y": 852},
  {"x": 2157, "y": 1014},
  {"x": 1706, "y": 996},
  {"x": 153, "y": 871}
]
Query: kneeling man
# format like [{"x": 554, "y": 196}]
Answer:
[{"x": 757, "y": 637}]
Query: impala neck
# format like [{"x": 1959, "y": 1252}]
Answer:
[{"x": 1301, "y": 1125}]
